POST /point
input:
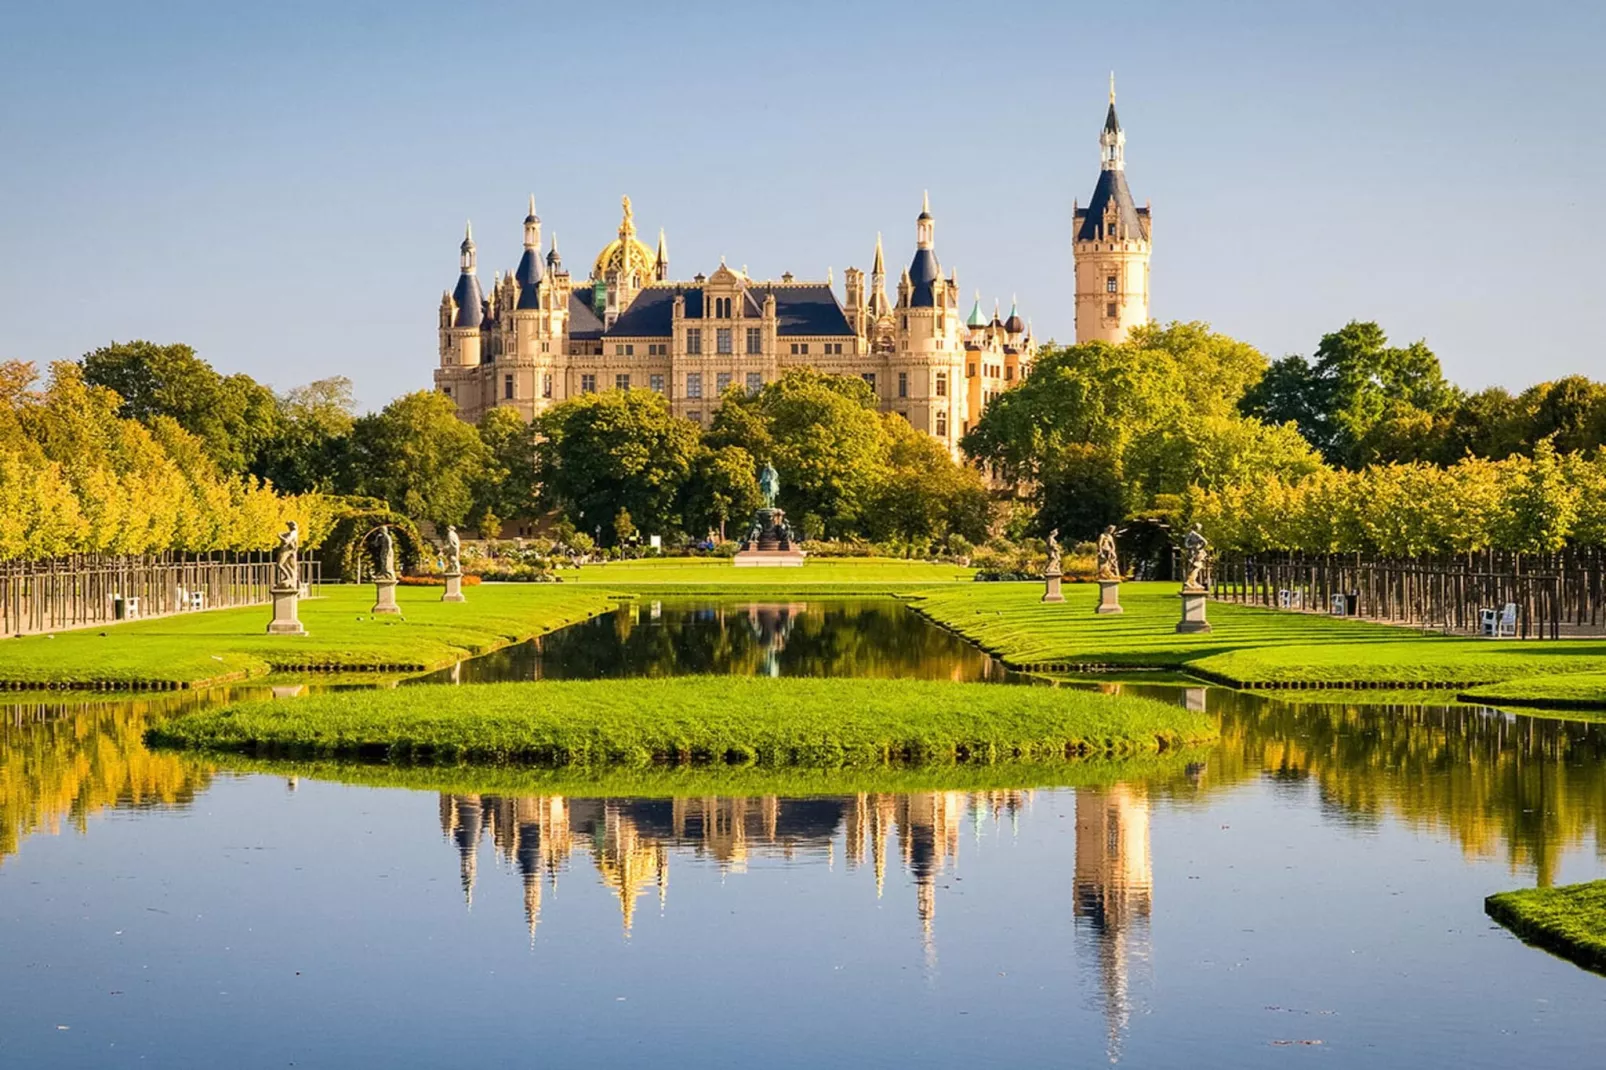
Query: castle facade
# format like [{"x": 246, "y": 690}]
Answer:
[{"x": 541, "y": 335}]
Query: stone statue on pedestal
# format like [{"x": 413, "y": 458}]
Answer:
[
  {"x": 1109, "y": 564},
  {"x": 386, "y": 555},
  {"x": 770, "y": 539},
  {"x": 454, "y": 550},
  {"x": 1196, "y": 559},
  {"x": 286, "y": 566},
  {"x": 1053, "y": 553}
]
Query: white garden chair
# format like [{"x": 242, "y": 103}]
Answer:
[{"x": 1499, "y": 622}]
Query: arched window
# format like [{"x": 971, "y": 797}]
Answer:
[{"x": 942, "y": 424}]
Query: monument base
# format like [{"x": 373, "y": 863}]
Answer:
[
  {"x": 769, "y": 542},
  {"x": 385, "y": 597},
  {"x": 285, "y": 621},
  {"x": 1051, "y": 587},
  {"x": 1109, "y": 597},
  {"x": 1193, "y": 612},
  {"x": 454, "y": 588},
  {"x": 755, "y": 558}
]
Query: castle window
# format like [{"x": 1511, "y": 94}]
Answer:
[
  {"x": 834, "y": 347},
  {"x": 694, "y": 384},
  {"x": 903, "y": 389},
  {"x": 805, "y": 349},
  {"x": 942, "y": 384},
  {"x": 722, "y": 308},
  {"x": 906, "y": 323},
  {"x": 695, "y": 416},
  {"x": 722, "y": 383},
  {"x": 1009, "y": 373},
  {"x": 942, "y": 423},
  {"x": 1110, "y": 282},
  {"x": 546, "y": 385},
  {"x": 1109, "y": 310},
  {"x": 869, "y": 377},
  {"x": 546, "y": 347},
  {"x": 446, "y": 390},
  {"x": 755, "y": 380},
  {"x": 618, "y": 351},
  {"x": 621, "y": 382},
  {"x": 694, "y": 341},
  {"x": 507, "y": 387},
  {"x": 656, "y": 382},
  {"x": 970, "y": 370},
  {"x": 755, "y": 341},
  {"x": 588, "y": 384},
  {"x": 722, "y": 341}
]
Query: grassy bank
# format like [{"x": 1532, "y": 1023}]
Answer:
[
  {"x": 1248, "y": 647},
  {"x": 192, "y": 649},
  {"x": 1569, "y": 921},
  {"x": 818, "y": 723},
  {"x": 1561, "y": 691}
]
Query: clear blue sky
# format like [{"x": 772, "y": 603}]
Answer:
[{"x": 284, "y": 185}]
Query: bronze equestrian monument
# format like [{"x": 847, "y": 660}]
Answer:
[{"x": 770, "y": 539}]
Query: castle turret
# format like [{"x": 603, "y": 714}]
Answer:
[
  {"x": 527, "y": 276},
  {"x": 1110, "y": 246},
  {"x": 930, "y": 355}
]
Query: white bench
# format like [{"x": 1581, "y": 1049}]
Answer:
[{"x": 1498, "y": 622}]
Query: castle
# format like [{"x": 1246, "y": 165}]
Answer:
[{"x": 541, "y": 336}]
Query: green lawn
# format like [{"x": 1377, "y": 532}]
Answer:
[
  {"x": 703, "y": 575},
  {"x": 1248, "y": 647},
  {"x": 817, "y": 723},
  {"x": 1570, "y": 920},
  {"x": 191, "y": 649}
]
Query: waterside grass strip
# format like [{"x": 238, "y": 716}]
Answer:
[
  {"x": 1561, "y": 691},
  {"x": 229, "y": 645},
  {"x": 664, "y": 781},
  {"x": 1249, "y": 648},
  {"x": 817, "y": 723},
  {"x": 1569, "y": 921}
]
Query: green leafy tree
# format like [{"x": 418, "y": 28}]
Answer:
[
  {"x": 513, "y": 484},
  {"x": 311, "y": 439},
  {"x": 1216, "y": 369},
  {"x": 422, "y": 460},
  {"x": 622, "y": 449},
  {"x": 722, "y": 490},
  {"x": 233, "y": 415},
  {"x": 827, "y": 445}
]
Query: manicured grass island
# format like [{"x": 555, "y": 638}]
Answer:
[
  {"x": 1249, "y": 647},
  {"x": 216, "y": 646},
  {"x": 1569, "y": 921},
  {"x": 777, "y": 723}
]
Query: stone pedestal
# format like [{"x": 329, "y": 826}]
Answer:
[
  {"x": 769, "y": 542},
  {"x": 454, "y": 588},
  {"x": 1193, "y": 611},
  {"x": 385, "y": 596},
  {"x": 1109, "y": 597},
  {"x": 285, "y": 621},
  {"x": 1051, "y": 587}
]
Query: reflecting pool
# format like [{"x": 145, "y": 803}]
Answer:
[{"x": 1309, "y": 888}]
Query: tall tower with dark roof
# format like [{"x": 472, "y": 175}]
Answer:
[{"x": 1110, "y": 245}]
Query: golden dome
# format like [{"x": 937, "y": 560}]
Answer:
[
  {"x": 625, "y": 254},
  {"x": 612, "y": 259}
]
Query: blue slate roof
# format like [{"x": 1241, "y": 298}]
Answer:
[
  {"x": 924, "y": 271},
  {"x": 470, "y": 304},
  {"x": 583, "y": 322},
  {"x": 1112, "y": 186},
  {"x": 528, "y": 276},
  {"x": 811, "y": 310}
]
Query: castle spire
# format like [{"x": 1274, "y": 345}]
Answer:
[
  {"x": 880, "y": 267},
  {"x": 1112, "y": 141},
  {"x": 660, "y": 268}
]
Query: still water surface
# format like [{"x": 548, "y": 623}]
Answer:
[{"x": 1306, "y": 892}]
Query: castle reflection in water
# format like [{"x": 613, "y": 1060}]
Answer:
[{"x": 630, "y": 843}]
